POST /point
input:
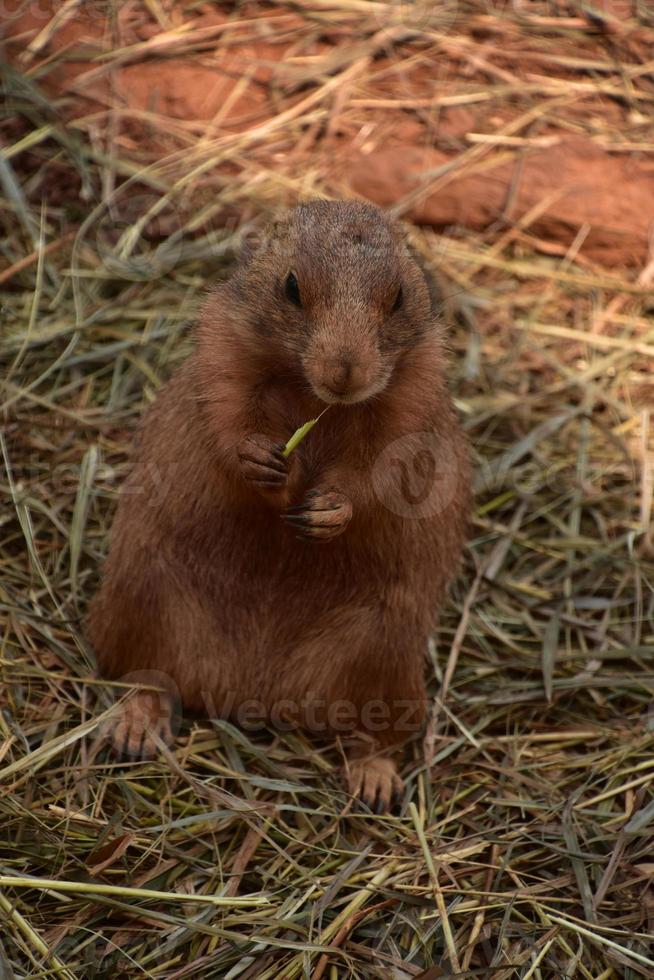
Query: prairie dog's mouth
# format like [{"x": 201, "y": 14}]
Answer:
[
  {"x": 326, "y": 394},
  {"x": 332, "y": 396}
]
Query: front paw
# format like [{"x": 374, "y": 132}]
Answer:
[
  {"x": 321, "y": 516},
  {"x": 262, "y": 463}
]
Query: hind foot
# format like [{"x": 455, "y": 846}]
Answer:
[
  {"x": 374, "y": 782},
  {"x": 141, "y": 724}
]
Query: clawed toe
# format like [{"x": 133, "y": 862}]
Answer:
[
  {"x": 263, "y": 463},
  {"x": 375, "y": 784},
  {"x": 322, "y": 515},
  {"x": 141, "y": 725}
]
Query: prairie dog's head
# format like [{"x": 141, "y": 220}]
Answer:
[{"x": 334, "y": 292}]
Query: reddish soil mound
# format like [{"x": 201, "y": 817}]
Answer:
[
  {"x": 165, "y": 87},
  {"x": 565, "y": 186}
]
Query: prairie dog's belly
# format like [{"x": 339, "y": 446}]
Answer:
[
  {"x": 290, "y": 619},
  {"x": 259, "y": 564},
  {"x": 325, "y": 663}
]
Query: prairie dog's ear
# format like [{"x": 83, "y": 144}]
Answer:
[
  {"x": 269, "y": 238},
  {"x": 212, "y": 301},
  {"x": 255, "y": 238},
  {"x": 401, "y": 232},
  {"x": 248, "y": 243},
  {"x": 405, "y": 236}
]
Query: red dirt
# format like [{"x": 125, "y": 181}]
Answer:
[
  {"x": 387, "y": 151},
  {"x": 612, "y": 194}
]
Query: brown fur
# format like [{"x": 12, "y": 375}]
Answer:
[{"x": 210, "y": 579}]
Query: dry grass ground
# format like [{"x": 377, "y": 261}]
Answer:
[{"x": 527, "y": 848}]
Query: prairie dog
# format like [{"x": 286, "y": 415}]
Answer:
[{"x": 302, "y": 587}]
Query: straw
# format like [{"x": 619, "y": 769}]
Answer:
[{"x": 526, "y": 850}]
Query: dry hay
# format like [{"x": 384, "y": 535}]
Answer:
[{"x": 527, "y": 849}]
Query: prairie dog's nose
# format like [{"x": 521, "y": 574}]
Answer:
[{"x": 340, "y": 372}]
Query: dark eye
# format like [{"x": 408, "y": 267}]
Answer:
[
  {"x": 399, "y": 299},
  {"x": 292, "y": 290}
]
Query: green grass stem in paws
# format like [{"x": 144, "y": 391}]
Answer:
[{"x": 300, "y": 433}]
